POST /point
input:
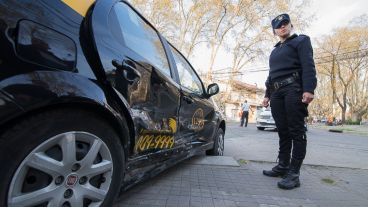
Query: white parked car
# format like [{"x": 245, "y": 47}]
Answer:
[{"x": 265, "y": 120}]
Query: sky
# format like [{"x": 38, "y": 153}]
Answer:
[
  {"x": 334, "y": 13},
  {"x": 329, "y": 14}
]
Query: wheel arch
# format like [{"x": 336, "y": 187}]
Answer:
[
  {"x": 100, "y": 111},
  {"x": 42, "y": 91},
  {"x": 222, "y": 125}
]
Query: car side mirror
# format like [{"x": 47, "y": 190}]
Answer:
[{"x": 212, "y": 89}]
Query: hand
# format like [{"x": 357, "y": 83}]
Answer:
[
  {"x": 265, "y": 102},
  {"x": 307, "y": 97}
]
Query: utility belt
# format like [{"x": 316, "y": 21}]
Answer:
[{"x": 275, "y": 85}]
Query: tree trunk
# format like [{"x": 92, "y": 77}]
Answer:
[{"x": 343, "y": 114}]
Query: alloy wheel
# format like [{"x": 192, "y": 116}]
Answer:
[
  {"x": 220, "y": 145},
  {"x": 72, "y": 169}
]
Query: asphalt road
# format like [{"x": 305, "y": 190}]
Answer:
[{"x": 324, "y": 148}]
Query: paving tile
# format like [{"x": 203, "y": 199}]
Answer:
[{"x": 196, "y": 185}]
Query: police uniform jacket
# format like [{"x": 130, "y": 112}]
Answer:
[{"x": 295, "y": 54}]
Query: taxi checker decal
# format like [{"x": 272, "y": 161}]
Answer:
[
  {"x": 197, "y": 120},
  {"x": 157, "y": 139},
  {"x": 80, "y": 6},
  {"x": 172, "y": 125}
]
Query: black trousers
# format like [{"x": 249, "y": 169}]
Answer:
[
  {"x": 289, "y": 112},
  {"x": 244, "y": 116}
]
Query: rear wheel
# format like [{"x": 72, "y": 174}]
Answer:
[
  {"x": 219, "y": 145},
  {"x": 61, "y": 158}
]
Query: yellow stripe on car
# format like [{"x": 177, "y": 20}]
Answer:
[{"x": 80, "y": 6}]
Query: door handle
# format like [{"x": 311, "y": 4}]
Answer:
[
  {"x": 188, "y": 99},
  {"x": 130, "y": 73}
]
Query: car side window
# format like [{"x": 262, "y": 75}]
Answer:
[
  {"x": 141, "y": 37},
  {"x": 188, "y": 78}
]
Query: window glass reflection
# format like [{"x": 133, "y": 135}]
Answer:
[
  {"x": 187, "y": 76},
  {"x": 141, "y": 37}
]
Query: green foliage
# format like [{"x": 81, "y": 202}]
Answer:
[
  {"x": 243, "y": 162},
  {"x": 328, "y": 181},
  {"x": 351, "y": 122}
]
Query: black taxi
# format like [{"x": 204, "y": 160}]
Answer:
[{"x": 93, "y": 100}]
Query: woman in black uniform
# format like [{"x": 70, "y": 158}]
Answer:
[{"x": 290, "y": 87}]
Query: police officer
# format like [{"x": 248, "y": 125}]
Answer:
[
  {"x": 245, "y": 114},
  {"x": 290, "y": 87}
]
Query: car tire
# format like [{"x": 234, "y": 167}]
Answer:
[
  {"x": 218, "y": 146},
  {"x": 260, "y": 128},
  {"x": 51, "y": 152}
]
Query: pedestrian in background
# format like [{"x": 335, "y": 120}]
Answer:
[
  {"x": 245, "y": 114},
  {"x": 289, "y": 89}
]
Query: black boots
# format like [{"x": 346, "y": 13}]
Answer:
[
  {"x": 291, "y": 180},
  {"x": 281, "y": 169},
  {"x": 289, "y": 173}
]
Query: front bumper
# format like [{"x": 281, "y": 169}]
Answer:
[{"x": 266, "y": 123}]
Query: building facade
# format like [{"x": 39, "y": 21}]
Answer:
[{"x": 234, "y": 93}]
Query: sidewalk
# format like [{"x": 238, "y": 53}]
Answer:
[
  {"x": 207, "y": 184},
  {"x": 351, "y": 129}
]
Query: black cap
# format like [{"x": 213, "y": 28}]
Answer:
[{"x": 277, "y": 22}]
